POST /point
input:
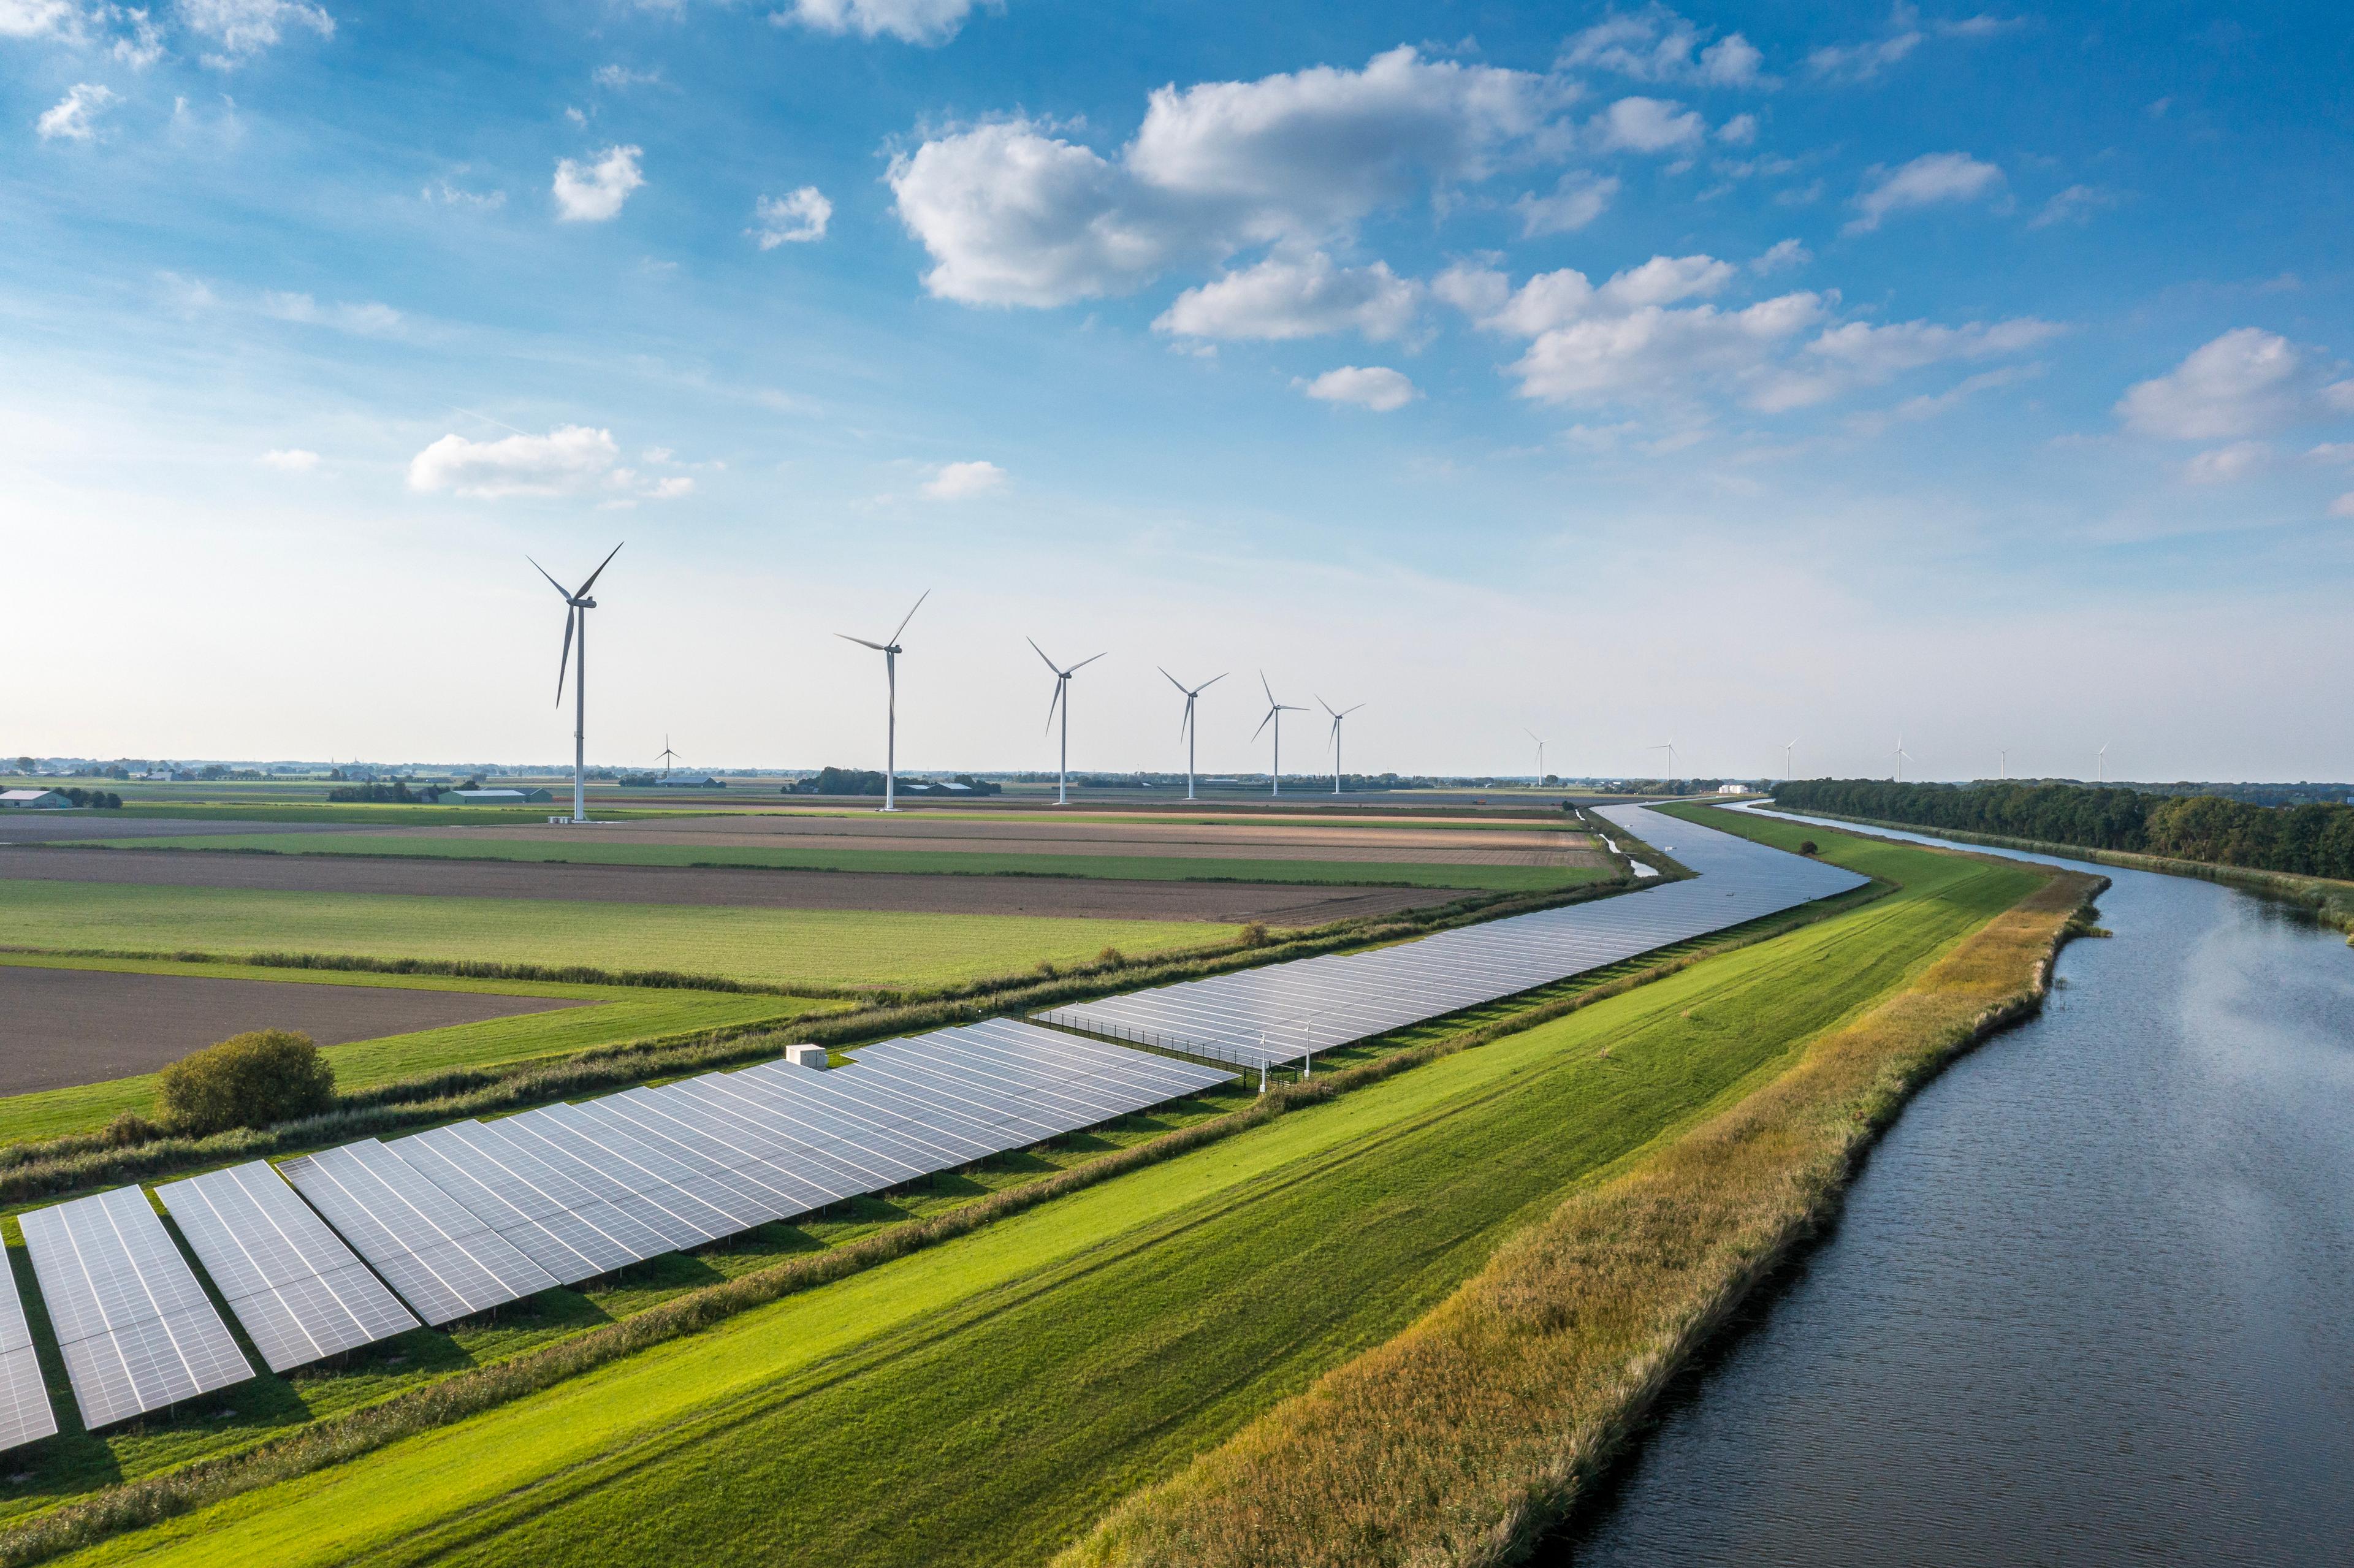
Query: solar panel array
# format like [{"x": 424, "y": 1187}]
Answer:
[
  {"x": 478, "y": 1213},
  {"x": 24, "y": 1412},
  {"x": 135, "y": 1329},
  {"x": 297, "y": 1289},
  {"x": 1283, "y": 1013},
  {"x": 442, "y": 1259}
]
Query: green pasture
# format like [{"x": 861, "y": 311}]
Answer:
[
  {"x": 817, "y": 856},
  {"x": 773, "y": 947},
  {"x": 615, "y": 1015},
  {"x": 982, "y": 1401}
]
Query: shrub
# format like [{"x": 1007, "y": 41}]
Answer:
[
  {"x": 1808, "y": 848},
  {"x": 1113, "y": 958},
  {"x": 253, "y": 1080},
  {"x": 1254, "y": 935}
]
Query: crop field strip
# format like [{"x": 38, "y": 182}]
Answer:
[
  {"x": 1287, "y": 1012},
  {"x": 135, "y": 1327},
  {"x": 297, "y": 1290}
]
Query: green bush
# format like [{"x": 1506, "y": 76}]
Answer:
[{"x": 254, "y": 1080}]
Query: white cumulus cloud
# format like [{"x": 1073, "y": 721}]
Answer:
[
  {"x": 1930, "y": 180},
  {"x": 571, "y": 460},
  {"x": 1292, "y": 298},
  {"x": 245, "y": 27},
  {"x": 1577, "y": 199},
  {"x": 959, "y": 481},
  {"x": 2248, "y": 382},
  {"x": 593, "y": 192},
  {"x": 289, "y": 460},
  {"x": 1012, "y": 213},
  {"x": 911, "y": 21},
  {"x": 1374, "y": 386},
  {"x": 1647, "y": 125},
  {"x": 793, "y": 218},
  {"x": 38, "y": 19},
  {"x": 2221, "y": 465},
  {"x": 74, "y": 117},
  {"x": 1655, "y": 44}
]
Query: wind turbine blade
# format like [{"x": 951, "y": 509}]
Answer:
[
  {"x": 1346, "y": 712},
  {"x": 1051, "y": 703},
  {"x": 1263, "y": 724},
  {"x": 1084, "y": 663},
  {"x": 564, "y": 663},
  {"x": 1172, "y": 680},
  {"x": 1187, "y": 719},
  {"x": 1267, "y": 689},
  {"x": 1038, "y": 651},
  {"x": 1321, "y": 702},
  {"x": 1208, "y": 684},
  {"x": 599, "y": 572},
  {"x": 911, "y": 614},
  {"x": 846, "y": 637},
  {"x": 551, "y": 581}
]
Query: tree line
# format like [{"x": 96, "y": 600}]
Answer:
[{"x": 2314, "y": 840}]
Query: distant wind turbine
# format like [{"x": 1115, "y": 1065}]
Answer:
[
  {"x": 576, "y": 606},
  {"x": 1335, "y": 742},
  {"x": 2101, "y": 764},
  {"x": 1541, "y": 745},
  {"x": 1670, "y": 747},
  {"x": 1902, "y": 756},
  {"x": 1185, "y": 728},
  {"x": 1061, "y": 699},
  {"x": 1790, "y": 758},
  {"x": 669, "y": 757},
  {"x": 1274, "y": 712},
  {"x": 2006, "y": 762},
  {"x": 890, "y": 651}
]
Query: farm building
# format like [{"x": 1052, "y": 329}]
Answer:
[
  {"x": 32, "y": 799},
  {"x": 494, "y": 797},
  {"x": 692, "y": 782}
]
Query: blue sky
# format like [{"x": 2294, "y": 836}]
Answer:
[{"x": 1726, "y": 375}]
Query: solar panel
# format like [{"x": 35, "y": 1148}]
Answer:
[
  {"x": 444, "y": 1262},
  {"x": 571, "y": 1245},
  {"x": 24, "y": 1412},
  {"x": 558, "y": 1161},
  {"x": 135, "y": 1329},
  {"x": 1285, "y": 1011},
  {"x": 294, "y": 1285}
]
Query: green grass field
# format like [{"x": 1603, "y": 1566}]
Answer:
[
  {"x": 817, "y": 856},
  {"x": 774, "y": 947},
  {"x": 981, "y": 1402},
  {"x": 619, "y": 1015},
  {"x": 363, "y": 813}
]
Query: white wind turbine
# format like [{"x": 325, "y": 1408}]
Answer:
[
  {"x": 1903, "y": 756},
  {"x": 1541, "y": 745},
  {"x": 1670, "y": 747},
  {"x": 1185, "y": 727},
  {"x": 576, "y": 606},
  {"x": 1790, "y": 758},
  {"x": 2101, "y": 764},
  {"x": 1335, "y": 742},
  {"x": 2006, "y": 763},
  {"x": 1062, "y": 699},
  {"x": 1274, "y": 712},
  {"x": 890, "y": 651},
  {"x": 669, "y": 757}
]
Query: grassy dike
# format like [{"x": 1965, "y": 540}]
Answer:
[
  {"x": 982, "y": 1398},
  {"x": 1464, "y": 1438}
]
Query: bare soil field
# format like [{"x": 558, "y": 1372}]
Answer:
[
  {"x": 63, "y": 1027},
  {"x": 1274, "y": 904},
  {"x": 68, "y": 826},
  {"x": 1187, "y": 840}
]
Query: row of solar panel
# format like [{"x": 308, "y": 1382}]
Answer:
[
  {"x": 1285, "y": 1012},
  {"x": 473, "y": 1214}
]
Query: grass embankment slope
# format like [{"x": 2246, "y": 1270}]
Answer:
[
  {"x": 830, "y": 948},
  {"x": 817, "y": 856},
  {"x": 615, "y": 1015},
  {"x": 982, "y": 1401},
  {"x": 1464, "y": 1438}
]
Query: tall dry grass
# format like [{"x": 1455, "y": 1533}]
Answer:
[{"x": 1467, "y": 1435}]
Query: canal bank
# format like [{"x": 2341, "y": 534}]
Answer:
[{"x": 2086, "y": 1302}]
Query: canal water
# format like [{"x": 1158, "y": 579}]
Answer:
[{"x": 2090, "y": 1302}]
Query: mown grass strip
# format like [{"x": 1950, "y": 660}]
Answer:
[{"x": 1462, "y": 1439}]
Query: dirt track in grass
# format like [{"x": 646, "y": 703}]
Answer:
[
  {"x": 1275, "y": 904},
  {"x": 63, "y": 1027}
]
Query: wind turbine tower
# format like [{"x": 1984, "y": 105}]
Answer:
[
  {"x": 1337, "y": 717},
  {"x": 1061, "y": 699},
  {"x": 1541, "y": 745},
  {"x": 1185, "y": 728},
  {"x": 576, "y": 606},
  {"x": 890, "y": 651},
  {"x": 2101, "y": 764},
  {"x": 1274, "y": 712},
  {"x": 1790, "y": 758},
  {"x": 1901, "y": 756},
  {"x": 669, "y": 757},
  {"x": 1670, "y": 747}
]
